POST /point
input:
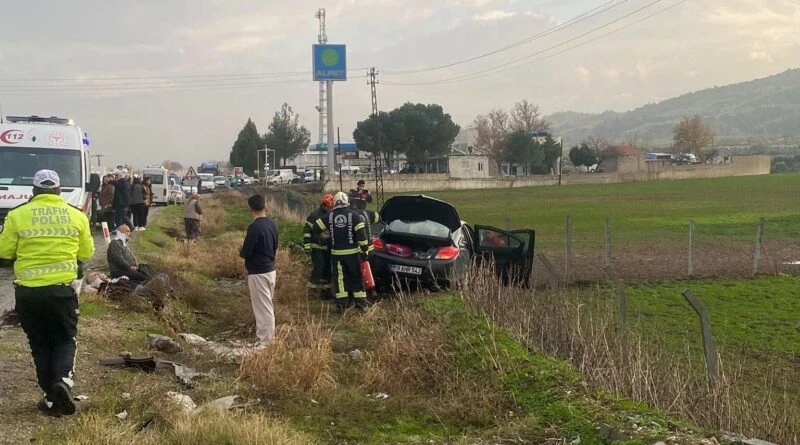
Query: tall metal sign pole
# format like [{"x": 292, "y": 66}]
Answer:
[
  {"x": 322, "y": 108},
  {"x": 330, "y": 65}
]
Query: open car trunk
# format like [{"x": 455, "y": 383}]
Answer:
[{"x": 406, "y": 245}]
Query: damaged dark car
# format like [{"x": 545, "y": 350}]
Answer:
[{"x": 423, "y": 240}]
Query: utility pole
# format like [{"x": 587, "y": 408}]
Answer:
[
  {"x": 373, "y": 81},
  {"x": 98, "y": 159}
]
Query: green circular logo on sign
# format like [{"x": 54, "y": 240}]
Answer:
[{"x": 330, "y": 57}]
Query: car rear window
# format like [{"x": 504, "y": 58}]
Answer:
[{"x": 423, "y": 228}]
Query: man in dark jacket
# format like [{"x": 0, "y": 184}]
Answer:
[
  {"x": 121, "y": 261},
  {"x": 359, "y": 196},
  {"x": 121, "y": 198},
  {"x": 349, "y": 246},
  {"x": 258, "y": 250},
  {"x": 315, "y": 243}
]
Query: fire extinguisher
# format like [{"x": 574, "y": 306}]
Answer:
[{"x": 366, "y": 275}]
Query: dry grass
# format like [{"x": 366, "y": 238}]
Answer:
[
  {"x": 204, "y": 427},
  {"x": 213, "y": 427},
  {"x": 410, "y": 357},
  {"x": 298, "y": 361},
  {"x": 580, "y": 325}
]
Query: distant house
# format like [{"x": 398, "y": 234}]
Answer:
[{"x": 613, "y": 156}]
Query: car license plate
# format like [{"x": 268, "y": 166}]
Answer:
[{"x": 406, "y": 269}]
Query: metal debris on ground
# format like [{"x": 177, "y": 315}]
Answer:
[
  {"x": 123, "y": 415},
  {"x": 163, "y": 344},
  {"x": 81, "y": 398},
  {"x": 186, "y": 375},
  {"x": 183, "y": 400},
  {"x": 226, "y": 403},
  {"x": 126, "y": 360},
  {"x": 355, "y": 355},
  {"x": 232, "y": 353},
  {"x": 379, "y": 396}
]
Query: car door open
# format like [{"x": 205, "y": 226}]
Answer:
[{"x": 511, "y": 252}]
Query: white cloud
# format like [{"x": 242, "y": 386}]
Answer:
[
  {"x": 583, "y": 74},
  {"x": 760, "y": 55},
  {"x": 238, "y": 44},
  {"x": 493, "y": 15}
]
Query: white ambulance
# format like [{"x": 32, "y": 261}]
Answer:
[{"x": 32, "y": 143}]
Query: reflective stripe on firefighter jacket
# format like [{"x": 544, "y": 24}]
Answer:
[
  {"x": 47, "y": 237},
  {"x": 314, "y": 236},
  {"x": 348, "y": 232}
]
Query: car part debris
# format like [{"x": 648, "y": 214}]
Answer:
[
  {"x": 183, "y": 400},
  {"x": 226, "y": 403},
  {"x": 163, "y": 344}
]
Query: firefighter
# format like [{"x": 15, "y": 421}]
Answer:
[
  {"x": 370, "y": 218},
  {"x": 349, "y": 246},
  {"x": 315, "y": 243},
  {"x": 49, "y": 239}
]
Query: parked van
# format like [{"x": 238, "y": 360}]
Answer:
[
  {"x": 280, "y": 176},
  {"x": 160, "y": 179}
]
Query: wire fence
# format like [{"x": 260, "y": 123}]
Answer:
[{"x": 582, "y": 251}]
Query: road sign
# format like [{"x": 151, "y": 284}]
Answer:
[
  {"x": 190, "y": 178},
  {"x": 330, "y": 62}
]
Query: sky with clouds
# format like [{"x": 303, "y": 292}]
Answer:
[{"x": 177, "y": 79}]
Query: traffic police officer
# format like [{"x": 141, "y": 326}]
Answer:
[
  {"x": 349, "y": 246},
  {"x": 315, "y": 242},
  {"x": 48, "y": 239}
]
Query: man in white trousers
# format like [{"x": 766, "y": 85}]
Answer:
[{"x": 258, "y": 251}]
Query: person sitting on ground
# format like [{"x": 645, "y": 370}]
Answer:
[{"x": 121, "y": 262}]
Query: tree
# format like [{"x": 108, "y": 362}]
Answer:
[
  {"x": 426, "y": 131},
  {"x": 366, "y": 136},
  {"x": 519, "y": 148},
  {"x": 583, "y": 155},
  {"x": 598, "y": 145},
  {"x": 526, "y": 117},
  {"x": 552, "y": 151},
  {"x": 492, "y": 130},
  {"x": 286, "y": 136},
  {"x": 691, "y": 136},
  {"x": 245, "y": 150}
]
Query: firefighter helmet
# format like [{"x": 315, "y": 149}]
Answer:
[
  {"x": 327, "y": 201},
  {"x": 341, "y": 199}
]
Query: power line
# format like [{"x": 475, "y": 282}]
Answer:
[
  {"x": 103, "y": 89},
  {"x": 185, "y": 78},
  {"x": 491, "y": 70},
  {"x": 573, "y": 21}
]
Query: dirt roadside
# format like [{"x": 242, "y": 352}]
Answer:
[{"x": 19, "y": 418}]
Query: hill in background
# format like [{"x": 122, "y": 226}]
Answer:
[{"x": 767, "y": 108}]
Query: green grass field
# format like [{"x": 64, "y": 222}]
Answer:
[
  {"x": 753, "y": 318},
  {"x": 724, "y": 209}
]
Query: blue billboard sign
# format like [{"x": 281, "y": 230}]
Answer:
[{"x": 330, "y": 62}]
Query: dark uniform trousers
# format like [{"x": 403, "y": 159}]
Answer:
[
  {"x": 320, "y": 266},
  {"x": 348, "y": 241},
  {"x": 49, "y": 316},
  {"x": 346, "y": 280}
]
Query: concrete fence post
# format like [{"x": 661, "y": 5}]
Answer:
[
  {"x": 691, "y": 248},
  {"x": 568, "y": 253},
  {"x": 608, "y": 242},
  {"x": 709, "y": 348},
  {"x": 757, "y": 254}
]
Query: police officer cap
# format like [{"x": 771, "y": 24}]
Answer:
[{"x": 46, "y": 179}]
